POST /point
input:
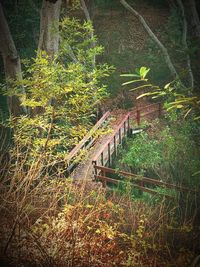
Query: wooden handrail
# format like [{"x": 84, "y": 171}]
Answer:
[
  {"x": 142, "y": 188},
  {"x": 104, "y": 147},
  {"x": 81, "y": 144},
  {"x": 139, "y": 114},
  {"x": 144, "y": 179},
  {"x": 148, "y": 113},
  {"x": 150, "y": 105}
]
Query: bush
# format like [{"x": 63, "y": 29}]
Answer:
[{"x": 168, "y": 152}]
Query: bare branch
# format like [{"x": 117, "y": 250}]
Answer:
[
  {"x": 88, "y": 18},
  {"x": 154, "y": 38},
  {"x": 195, "y": 17},
  {"x": 85, "y": 10},
  {"x": 184, "y": 42}
]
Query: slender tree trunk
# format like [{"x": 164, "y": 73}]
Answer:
[
  {"x": 88, "y": 18},
  {"x": 11, "y": 60},
  {"x": 154, "y": 38},
  {"x": 49, "y": 28},
  {"x": 195, "y": 18},
  {"x": 49, "y": 32},
  {"x": 185, "y": 45}
]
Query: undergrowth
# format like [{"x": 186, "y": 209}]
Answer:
[{"x": 48, "y": 220}]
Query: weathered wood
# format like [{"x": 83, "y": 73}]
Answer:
[
  {"x": 142, "y": 188},
  {"x": 144, "y": 179},
  {"x": 109, "y": 155},
  {"x": 148, "y": 113},
  {"x": 104, "y": 147},
  {"x": 82, "y": 143},
  {"x": 138, "y": 116}
]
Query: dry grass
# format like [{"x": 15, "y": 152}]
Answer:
[{"x": 48, "y": 220}]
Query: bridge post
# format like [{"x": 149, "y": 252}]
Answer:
[
  {"x": 159, "y": 109},
  {"x": 138, "y": 116},
  {"x": 102, "y": 159},
  {"x": 94, "y": 163},
  {"x": 109, "y": 155},
  {"x": 128, "y": 127},
  {"x": 120, "y": 136},
  {"x": 115, "y": 146},
  {"x": 125, "y": 129}
]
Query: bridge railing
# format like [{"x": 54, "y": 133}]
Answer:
[
  {"x": 137, "y": 181},
  {"x": 140, "y": 111},
  {"x": 104, "y": 155},
  {"x": 86, "y": 142}
]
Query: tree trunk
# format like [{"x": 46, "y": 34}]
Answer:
[
  {"x": 154, "y": 38},
  {"x": 88, "y": 18},
  {"x": 184, "y": 43},
  {"x": 11, "y": 60},
  {"x": 195, "y": 18},
  {"x": 49, "y": 28}
]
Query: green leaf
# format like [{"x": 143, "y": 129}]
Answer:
[
  {"x": 143, "y": 72},
  {"x": 133, "y": 81},
  {"x": 198, "y": 172},
  {"x": 167, "y": 85},
  {"x": 197, "y": 118},
  {"x": 146, "y": 94},
  {"x": 179, "y": 106},
  {"x": 130, "y": 75},
  {"x": 140, "y": 87}
]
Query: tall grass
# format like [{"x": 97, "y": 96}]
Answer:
[{"x": 48, "y": 220}]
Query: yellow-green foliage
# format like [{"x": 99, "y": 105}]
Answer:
[{"x": 61, "y": 94}]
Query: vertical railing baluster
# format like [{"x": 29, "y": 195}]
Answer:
[
  {"x": 94, "y": 163},
  {"x": 159, "y": 109},
  {"x": 128, "y": 127},
  {"x": 120, "y": 136},
  {"x": 103, "y": 173},
  {"x": 109, "y": 156},
  {"x": 115, "y": 146},
  {"x": 102, "y": 159},
  {"x": 138, "y": 116}
]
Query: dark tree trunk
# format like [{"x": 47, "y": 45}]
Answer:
[
  {"x": 11, "y": 60},
  {"x": 195, "y": 21}
]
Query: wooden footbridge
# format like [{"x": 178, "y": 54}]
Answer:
[{"x": 98, "y": 163}]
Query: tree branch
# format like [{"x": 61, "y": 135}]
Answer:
[
  {"x": 72, "y": 55},
  {"x": 195, "y": 17},
  {"x": 85, "y": 10},
  {"x": 184, "y": 43},
  {"x": 88, "y": 18},
  {"x": 154, "y": 38}
]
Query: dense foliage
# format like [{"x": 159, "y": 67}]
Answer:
[
  {"x": 61, "y": 94},
  {"x": 168, "y": 151},
  {"x": 46, "y": 218}
]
